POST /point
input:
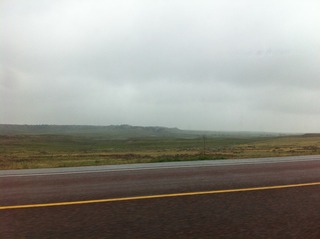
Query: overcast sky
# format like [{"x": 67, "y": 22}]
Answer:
[{"x": 244, "y": 65}]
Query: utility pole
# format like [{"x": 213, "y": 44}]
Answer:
[{"x": 204, "y": 145}]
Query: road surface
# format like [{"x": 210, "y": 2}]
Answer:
[{"x": 254, "y": 198}]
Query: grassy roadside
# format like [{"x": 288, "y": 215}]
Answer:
[{"x": 47, "y": 151}]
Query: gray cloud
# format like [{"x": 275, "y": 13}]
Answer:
[{"x": 220, "y": 65}]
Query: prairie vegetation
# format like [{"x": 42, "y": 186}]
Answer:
[{"x": 45, "y": 151}]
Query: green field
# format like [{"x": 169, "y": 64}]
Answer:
[{"x": 45, "y": 151}]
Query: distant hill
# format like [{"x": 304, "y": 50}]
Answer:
[
  {"x": 119, "y": 131},
  {"x": 311, "y": 135}
]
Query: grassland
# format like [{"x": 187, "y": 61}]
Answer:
[{"x": 45, "y": 151}]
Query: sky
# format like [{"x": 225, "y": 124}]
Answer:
[{"x": 225, "y": 65}]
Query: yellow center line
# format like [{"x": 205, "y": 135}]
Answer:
[{"x": 158, "y": 196}]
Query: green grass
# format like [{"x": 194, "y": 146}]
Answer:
[{"x": 46, "y": 151}]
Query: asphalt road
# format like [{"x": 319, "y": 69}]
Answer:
[{"x": 230, "y": 199}]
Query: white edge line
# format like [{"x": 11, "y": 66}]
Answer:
[{"x": 158, "y": 167}]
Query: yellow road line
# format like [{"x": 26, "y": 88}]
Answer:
[{"x": 159, "y": 196}]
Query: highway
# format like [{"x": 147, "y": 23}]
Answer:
[{"x": 247, "y": 198}]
